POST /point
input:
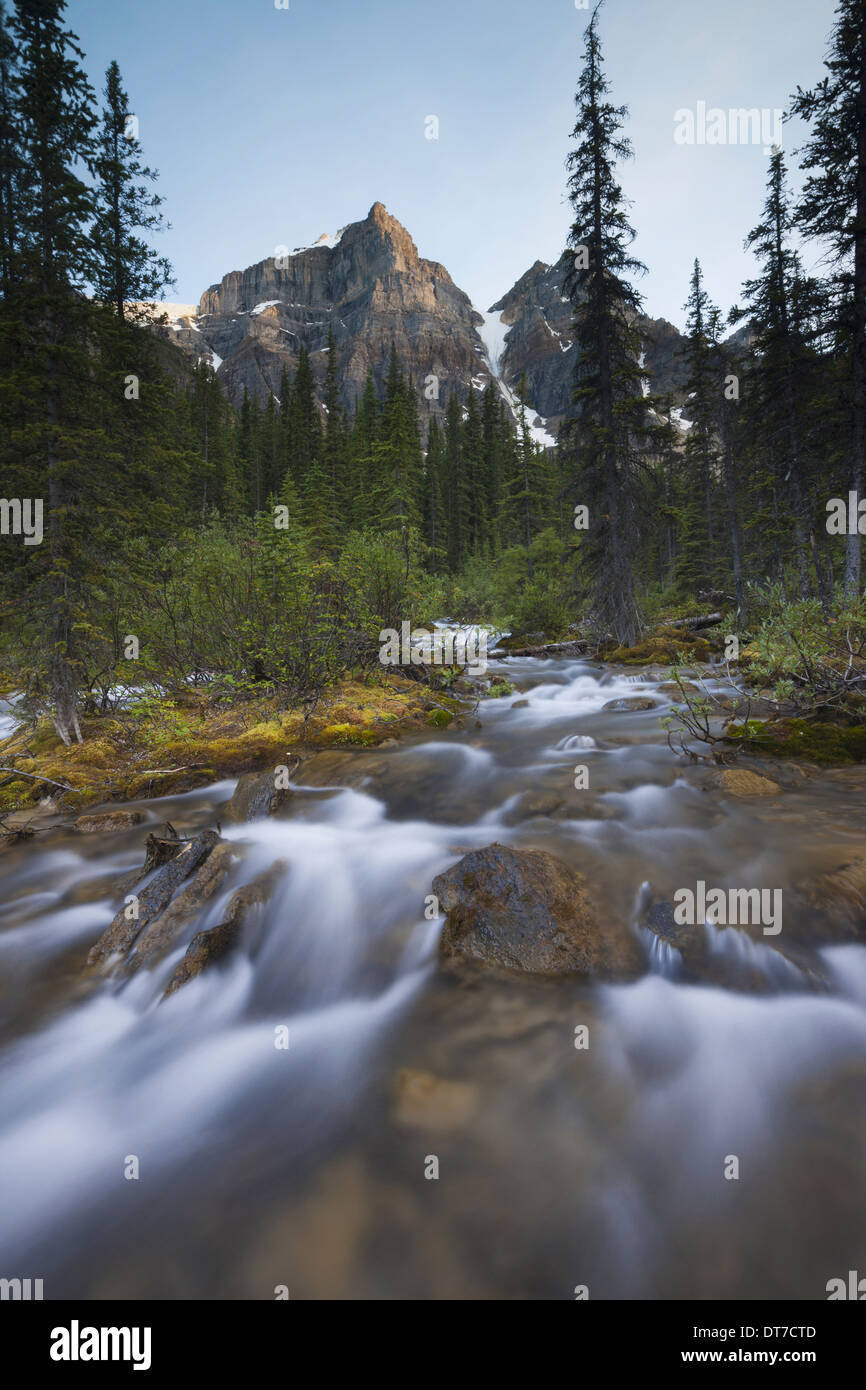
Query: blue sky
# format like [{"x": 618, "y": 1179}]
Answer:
[{"x": 271, "y": 126}]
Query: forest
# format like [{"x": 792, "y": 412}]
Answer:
[{"x": 267, "y": 546}]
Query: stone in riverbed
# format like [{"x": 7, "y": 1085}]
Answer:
[
  {"x": 123, "y": 932},
  {"x": 676, "y": 693},
  {"x": 526, "y": 910},
  {"x": 629, "y": 702},
  {"x": 738, "y": 781},
  {"x": 257, "y": 795},
  {"x": 425, "y": 1101},
  {"x": 208, "y": 947},
  {"x": 106, "y": 822}
]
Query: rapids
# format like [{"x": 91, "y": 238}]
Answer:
[{"x": 261, "y": 1165}]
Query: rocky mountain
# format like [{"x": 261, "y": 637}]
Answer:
[
  {"x": 533, "y": 322},
  {"x": 369, "y": 285}
]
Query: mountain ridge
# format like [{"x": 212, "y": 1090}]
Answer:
[{"x": 369, "y": 285}]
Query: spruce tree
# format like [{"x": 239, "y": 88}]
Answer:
[
  {"x": 779, "y": 307},
  {"x": 54, "y": 111},
  {"x": 610, "y": 415},
  {"x": 697, "y": 564},
  {"x": 126, "y": 268},
  {"x": 832, "y": 208},
  {"x": 11, "y": 169},
  {"x": 434, "y": 523}
]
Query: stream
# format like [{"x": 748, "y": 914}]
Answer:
[{"x": 308, "y": 1167}]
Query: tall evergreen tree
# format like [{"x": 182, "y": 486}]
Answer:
[
  {"x": 696, "y": 558},
  {"x": 336, "y": 439},
  {"x": 126, "y": 268},
  {"x": 53, "y": 107},
  {"x": 779, "y": 307},
  {"x": 832, "y": 208},
  {"x": 610, "y": 413},
  {"x": 11, "y": 169}
]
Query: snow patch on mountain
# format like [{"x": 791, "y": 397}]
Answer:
[
  {"x": 324, "y": 240},
  {"x": 493, "y": 332}
]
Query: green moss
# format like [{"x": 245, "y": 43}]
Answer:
[
  {"x": 500, "y": 688},
  {"x": 348, "y": 733},
  {"x": 802, "y": 738},
  {"x": 662, "y": 647},
  {"x": 439, "y": 718}
]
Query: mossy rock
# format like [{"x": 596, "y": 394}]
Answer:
[
  {"x": 439, "y": 718},
  {"x": 348, "y": 733},
  {"x": 662, "y": 647},
  {"x": 498, "y": 689},
  {"x": 802, "y": 738}
]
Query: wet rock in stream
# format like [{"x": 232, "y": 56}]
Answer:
[
  {"x": 727, "y": 956},
  {"x": 526, "y": 910},
  {"x": 257, "y": 794},
  {"x": 106, "y": 822},
  {"x": 208, "y": 947},
  {"x": 126, "y": 932}
]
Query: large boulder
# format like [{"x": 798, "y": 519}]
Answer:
[{"x": 526, "y": 910}]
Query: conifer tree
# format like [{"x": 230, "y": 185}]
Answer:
[
  {"x": 696, "y": 563},
  {"x": 832, "y": 208},
  {"x": 336, "y": 442},
  {"x": 53, "y": 108},
  {"x": 779, "y": 307},
  {"x": 434, "y": 511},
  {"x": 603, "y": 436},
  {"x": 455, "y": 491},
  {"x": 126, "y": 268},
  {"x": 10, "y": 156}
]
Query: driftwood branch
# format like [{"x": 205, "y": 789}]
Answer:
[{"x": 41, "y": 778}]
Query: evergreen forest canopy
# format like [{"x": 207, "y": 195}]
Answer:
[{"x": 267, "y": 546}]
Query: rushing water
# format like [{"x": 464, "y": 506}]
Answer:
[{"x": 558, "y": 1166}]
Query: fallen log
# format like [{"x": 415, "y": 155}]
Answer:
[{"x": 695, "y": 624}]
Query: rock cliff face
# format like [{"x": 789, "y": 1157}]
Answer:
[
  {"x": 371, "y": 287},
  {"x": 539, "y": 340}
]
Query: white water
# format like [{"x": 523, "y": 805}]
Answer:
[{"x": 617, "y": 1156}]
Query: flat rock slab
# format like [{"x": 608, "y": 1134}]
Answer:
[
  {"x": 738, "y": 781},
  {"x": 107, "y": 822}
]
